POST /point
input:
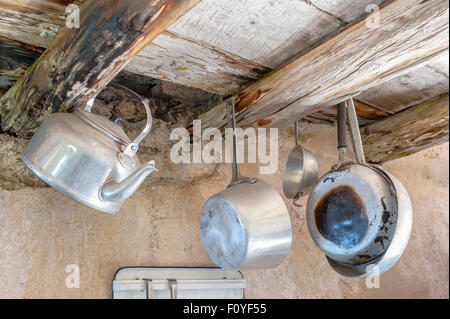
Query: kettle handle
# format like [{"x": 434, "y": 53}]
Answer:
[{"x": 133, "y": 147}]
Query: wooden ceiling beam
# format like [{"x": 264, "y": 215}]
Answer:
[
  {"x": 358, "y": 58},
  {"x": 366, "y": 114},
  {"x": 410, "y": 131},
  {"x": 16, "y": 57},
  {"x": 81, "y": 62}
]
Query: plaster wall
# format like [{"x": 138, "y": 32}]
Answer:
[{"x": 42, "y": 231}]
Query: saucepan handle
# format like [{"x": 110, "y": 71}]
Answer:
[
  {"x": 237, "y": 177},
  {"x": 133, "y": 147}
]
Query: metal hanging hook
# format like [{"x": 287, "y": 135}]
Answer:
[{"x": 237, "y": 177}]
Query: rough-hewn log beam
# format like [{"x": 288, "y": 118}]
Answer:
[
  {"x": 358, "y": 58},
  {"x": 415, "y": 129},
  {"x": 15, "y": 58},
  {"x": 81, "y": 62}
]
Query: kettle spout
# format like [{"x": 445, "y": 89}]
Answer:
[{"x": 119, "y": 191}]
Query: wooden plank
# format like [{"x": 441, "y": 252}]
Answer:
[
  {"x": 15, "y": 58},
  {"x": 81, "y": 62},
  {"x": 345, "y": 10},
  {"x": 397, "y": 94},
  {"x": 410, "y": 89},
  {"x": 33, "y": 22},
  {"x": 408, "y": 132},
  {"x": 366, "y": 114},
  {"x": 268, "y": 32},
  {"x": 176, "y": 59},
  {"x": 355, "y": 60}
]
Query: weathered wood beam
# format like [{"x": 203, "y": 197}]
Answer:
[
  {"x": 358, "y": 58},
  {"x": 174, "y": 58},
  {"x": 15, "y": 58},
  {"x": 413, "y": 130},
  {"x": 410, "y": 89},
  {"x": 81, "y": 62},
  {"x": 366, "y": 114}
]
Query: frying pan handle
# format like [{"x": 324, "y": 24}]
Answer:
[
  {"x": 342, "y": 131},
  {"x": 354, "y": 132}
]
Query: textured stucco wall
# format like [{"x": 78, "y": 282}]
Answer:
[{"x": 42, "y": 231}]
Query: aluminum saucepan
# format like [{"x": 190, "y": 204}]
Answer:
[
  {"x": 301, "y": 171},
  {"x": 356, "y": 213},
  {"x": 247, "y": 225}
]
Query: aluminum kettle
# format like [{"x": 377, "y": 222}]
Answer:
[{"x": 89, "y": 157}]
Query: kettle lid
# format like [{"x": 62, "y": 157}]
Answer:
[{"x": 105, "y": 126}]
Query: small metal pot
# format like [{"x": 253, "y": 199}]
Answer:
[
  {"x": 247, "y": 225},
  {"x": 301, "y": 171},
  {"x": 358, "y": 214}
]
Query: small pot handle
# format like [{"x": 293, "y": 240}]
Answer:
[{"x": 133, "y": 147}]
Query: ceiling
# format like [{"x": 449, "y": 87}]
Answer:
[{"x": 220, "y": 46}]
